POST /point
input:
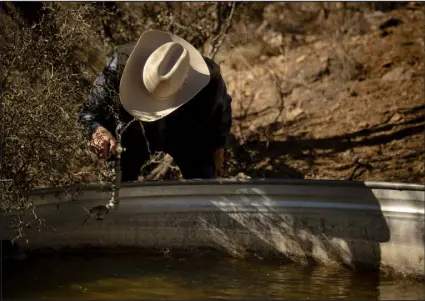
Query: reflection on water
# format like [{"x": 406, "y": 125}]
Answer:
[{"x": 137, "y": 277}]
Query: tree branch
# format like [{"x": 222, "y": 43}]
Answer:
[{"x": 219, "y": 39}]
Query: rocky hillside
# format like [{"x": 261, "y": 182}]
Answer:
[{"x": 347, "y": 105}]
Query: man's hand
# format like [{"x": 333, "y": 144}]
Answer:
[
  {"x": 102, "y": 142},
  {"x": 219, "y": 162}
]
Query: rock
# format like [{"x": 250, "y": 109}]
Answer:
[
  {"x": 392, "y": 22},
  {"x": 375, "y": 18},
  {"x": 300, "y": 59},
  {"x": 412, "y": 153},
  {"x": 398, "y": 74},
  {"x": 349, "y": 155},
  {"x": 363, "y": 124},
  {"x": 387, "y": 64},
  {"x": 316, "y": 69},
  {"x": 294, "y": 114},
  {"x": 324, "y": 59},
  {"x": 396, "y": 118},
  {"x": 363, "y": 161}
]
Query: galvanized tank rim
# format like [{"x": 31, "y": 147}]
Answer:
[
  {"x": 387, "y": 218},
  {"x": 320, "y": 183}
]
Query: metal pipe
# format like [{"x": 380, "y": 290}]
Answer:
[
  {"x": 99, "y": 212},
  {"x": 115, "y": 198}
]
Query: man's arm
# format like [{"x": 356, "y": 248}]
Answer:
[
  {"x": 101, "y": 106},
  {"x": 221, "y": 124},
  {"x": 226, "y": 115}
]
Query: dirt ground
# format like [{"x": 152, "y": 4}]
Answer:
[{"x": 332, "y": 109}]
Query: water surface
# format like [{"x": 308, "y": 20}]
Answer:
[{"x": 142, "y": 277}]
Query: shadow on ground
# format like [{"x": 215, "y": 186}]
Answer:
[{"x": 258, "y": 158}]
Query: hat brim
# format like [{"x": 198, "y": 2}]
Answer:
[{"x": 133, "y": 94}]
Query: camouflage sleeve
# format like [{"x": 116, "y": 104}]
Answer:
[{"x": 99, "y": 106}]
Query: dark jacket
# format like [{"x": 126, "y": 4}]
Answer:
[{"x": 205, "y": 120}]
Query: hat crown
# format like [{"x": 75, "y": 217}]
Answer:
[
  {"x": 166, "y": 70},
  {"x": 160, "y": 76}
]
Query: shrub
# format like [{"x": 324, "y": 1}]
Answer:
[{"x": 42, "y": 86}]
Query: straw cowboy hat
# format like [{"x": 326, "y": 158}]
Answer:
[{"x": 162, "y": 73}]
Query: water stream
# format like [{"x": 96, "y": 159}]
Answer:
[{"x": 141, "y": 277}]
